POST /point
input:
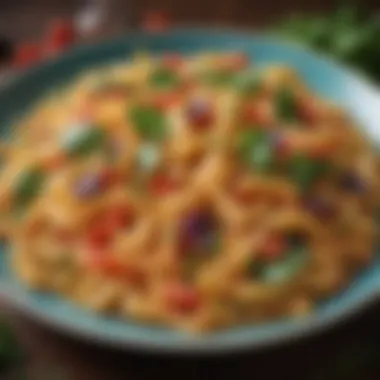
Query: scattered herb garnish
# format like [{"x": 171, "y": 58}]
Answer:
[
  {"x": 149, "y": 122},
  {"x": 304, "y": 171},
  {"x": 83, "y": 140},
  {"x": 255, "y": 148},
  {"x": 27, "y": 186},
  {"x": 164, "y": 78},
  {"x": 286, "y": 105}
]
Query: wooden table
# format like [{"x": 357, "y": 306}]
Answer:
[
  {"x": 327, "y": 356},
  {"x": 315, "y": 358}
]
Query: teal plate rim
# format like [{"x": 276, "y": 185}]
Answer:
[{"x": 323, "y": 74}]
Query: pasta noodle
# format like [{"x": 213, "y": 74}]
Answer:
[{"x": 198, "y": 192}]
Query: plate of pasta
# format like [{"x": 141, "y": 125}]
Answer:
[{"x": 189, "y": 191}]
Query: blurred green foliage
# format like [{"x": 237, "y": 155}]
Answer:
[{"x": 348, "y": 34}]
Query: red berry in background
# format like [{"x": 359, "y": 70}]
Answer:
[
  {"x": 60, "y": 35},
  {"x": 155, "y": 21},
  {"x": 27, "y": 54}
]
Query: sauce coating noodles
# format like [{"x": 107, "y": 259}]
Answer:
[{"x": 198, "y": 192}]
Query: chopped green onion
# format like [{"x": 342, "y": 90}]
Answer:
[{"x": 149, "y": 122}]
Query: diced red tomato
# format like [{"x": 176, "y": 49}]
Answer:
[
  {"x": 155, "y": 21},
  {"x": 60, "y": 35},
  {"x": 118, "y": 217},
  {"x": 182, "y": 298},
  {"x": 273, "y": 247},
  {"x": 27, "y": 54},
  {"x": 99, "y": 236},
  {"x": 253, "y": 113},
  {"x": 166, "y": 100},
  {"x": 104, "y": 262},
  {"x": 162, "y": 184}
]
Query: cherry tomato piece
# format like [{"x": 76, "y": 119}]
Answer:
[
  {"x": 161, "y": 184},
  {"x": 182, "y": 298},
  {"x": 118, "y": 217},
  {"x": 273, "y": 248}
]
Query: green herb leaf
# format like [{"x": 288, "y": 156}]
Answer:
[
  {"x": 28, "y": 185},
  {"x": 248, "y": 84},
  {"x": 149, "y": 122},
  {"x": 283, "y": 270},
  {"x": 304, "y": 171},
  {"x": 164, "y": 79},
  {"x": 81, "y": 141},
  {"x": 255, "y": 149},
  {"x": 286, "y": 105}
]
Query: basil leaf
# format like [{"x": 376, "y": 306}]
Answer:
[
  {"x": 256, "y": 150},
  {"x": 164, "y": 79},
  {"x": 305, "y": 171},
  {"x": 81, "y": 141},
  {"x": 28, "y": 185},
  {"x": 148, "y": 122},
  {"x": 285, "y": 269},
  {"x": 286, "y": 105}
]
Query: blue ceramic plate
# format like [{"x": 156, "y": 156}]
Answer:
[{"x": 325, "y": 77}]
